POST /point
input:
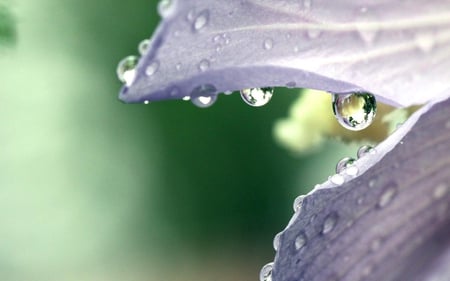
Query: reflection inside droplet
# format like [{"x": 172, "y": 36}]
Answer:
[{"x": 354, "y": 111}]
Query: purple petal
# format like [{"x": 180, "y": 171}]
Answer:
[
  {"x": 398, "y": 50},
  {"x": 392, "y": 222}
]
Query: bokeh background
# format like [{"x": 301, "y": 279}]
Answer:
[{"x": 93, "y": 189}]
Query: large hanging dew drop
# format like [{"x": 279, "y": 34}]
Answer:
[
  {"x": 355, "y": 111},
  {"x": 343, "y": 164},
  {"x": 126, "y": 70},
  {"x": 257, "y": 96}
]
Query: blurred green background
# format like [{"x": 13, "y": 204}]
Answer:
[{"x": 93, "y": 189}]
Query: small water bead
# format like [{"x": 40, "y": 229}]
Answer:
[
  {"x": 143, "y": 46},
  {"x": 365, "y": 150},
  {"x": 203, "y": 65},
  {"x": 152, "y": 68},
  {"x": 298, "y": 203},
  {"x": 186, "y": 98},
  {"x": 300, "y": 241},
  {"x": 354, "y": 111},
  {"x": 178, "y": 66},
  {"x": 146, "y": 102},
  {"x": 164, "y": 7},
  {"x": 204, "y": 101},
  {"x": 337, "y": 179},
  {"x": 343, "y": 164},
  {"x": 126, "y": 70},
  {"x": 424, "y": 41},
  {"x": 266, "y": 272},
  {"x": 268, "y": 44},
  {"x": 276, "y": 241},
  {"x": 201, "y": 20},
  {"x": 387, "y": 196},
  {"x": 257, "y": 96},
  {"x": 329, "y": 223},
  {"x": 440, "y": 191}
]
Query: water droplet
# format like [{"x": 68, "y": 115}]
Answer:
[
  {"x": 387, "y": 196},
  {"x": 146, "y": 102},
  {"x": 300, "y": 241},
  {"x": 164, "y": 7},
  {"x": 313, "y": 33},
  {"x": 337, "y": 179},
  {"x": 329, "y": 223},
  {"x": 360, "y": 200},
  {"x": 367, "y": 32},
  {"x": 126, "y": 70},
  {"x": 291, "y": 84},
  {"x": 178, "y": 66},
  {"x": 307, "y": 5},
  {"x": 354, "y": 111},
  {"x": 375, "y": 245},
  {"x": 298, "y": 203},
  {"x": 365, "y": 150},
  {"x": 186, "y": 98},
  {"x": 296, "y": 49},
  {"x": 276, "y": 242},
  {"x": 190, "y": 15},
  {"x": 268, "y": 44},
  {"x": 343, "y": 164},
  {"x": 257, "y": 96},
  {"x": 424, "y": 41},
  {"x": 204, "y": 101},
  {"x": 152, "y": 68},
  {"x": 143, "y": 46},
  {"x": 228, "y": 93},
  {"x": 440, "y": 191},
  {"x": 372, "y": 183},
  {"x": 204, "y": 96},
  {"x": 201, "y": 20},
  {"x": 203, "y": 65},
  {"x": 266, "y": 272}
]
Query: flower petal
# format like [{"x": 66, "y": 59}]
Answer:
[
  {"x": 398, "y": 50},
  {"x": 392, "y": 222}
]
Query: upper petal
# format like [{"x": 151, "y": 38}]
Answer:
[{"x": 398, "y": 50}]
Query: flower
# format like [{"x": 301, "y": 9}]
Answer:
[{"x": 388, "y": 219}]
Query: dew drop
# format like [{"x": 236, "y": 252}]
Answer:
[
  {"x": 164, "y": 7},
  {"x": 126, "y": 70},
  {"x": 300, "y": 241},
  {"x": 152, "y": 68},
  {"x": 268, "y": 44},
  {"x": 354, "y": 111},
  {"x": 146, "y": 102},
  {"x": 337, "y": 179},
  {"x": 440, "y": 191},
  {"x": 313, "y": 33},
  {"x": 424, "y": 41},
  {"x": 143, "y": 46},
  {"x": 343, "y": 164},
  {"x": 201, "y": 20},
  {"x": 329, "y": 223},
  {"x": 291, "y": 84},
  {"x": 365, "y": 150},
  {"x": 204, "y": 96},
  {"x": 266, "y": 272},
  {"x": 298, "y": 203},
  {"x": 375, "y": 245},
  {"x": 257, "y": 96},
  {"x": 276, "y": 241},
  {"x": 203, "y": 65},
  {"x": 178, "y": 66},
  {"x": 204, "y": 101},
  {"x": 387, "y": 196},
  {"x": 186, "y": 98}
]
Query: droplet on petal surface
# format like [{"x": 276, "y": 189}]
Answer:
[
  {"x": 365, "y": 150},
  {"x": 268, "y": 44},
  {"x": 143, "y": 46},
  {"x": 276, "y": 241},
  {"x": 337, "y": 179},
  {"x": 152, "y": 68},
  {"x": 164, "y": 7},
  {"x": 298, "y": 203},
  {"x": 204, "y": 101},
  {"x": 201, "y": 20},
  {"x": 300, "y": 241},
  {"x": 266, "y": 272},
  {"x": 343, "y": 164},
  {"x": 329, "y": 223},
  {"x": 203, "y": 65},
  {"x": 126, "y": 70},
  {"x": 257, "y": 96},
  {"x": 387, "y": 196},
  {"x": 354, "y": 111}
]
